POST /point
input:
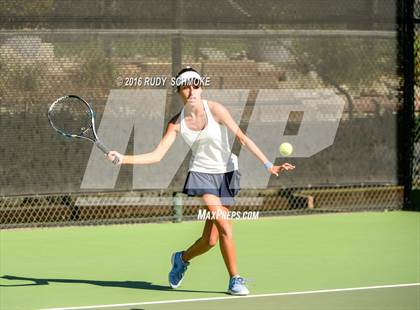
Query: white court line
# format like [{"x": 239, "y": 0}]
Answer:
[{"x": 234, "y": 297}]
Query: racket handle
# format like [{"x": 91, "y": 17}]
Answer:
[{"x": 104, "y": 149}]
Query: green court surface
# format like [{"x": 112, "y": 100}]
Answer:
[{"x": 299, "y": 263}]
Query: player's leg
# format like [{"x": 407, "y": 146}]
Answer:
[
  {"x": 224, "y": 227},
  {"x": 180, "y": 260},
  {"x": 227, "y": 246},
  {"x": 207, "y": 241}
]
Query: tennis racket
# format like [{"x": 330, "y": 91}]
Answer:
[{"x": 72, "y": 117}]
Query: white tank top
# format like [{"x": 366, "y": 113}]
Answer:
[{"x": 210, "y": 147}]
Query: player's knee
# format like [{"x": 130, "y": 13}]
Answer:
[
  {"x": 224, "y": 229},
  {"x": 212, "y": 241}
]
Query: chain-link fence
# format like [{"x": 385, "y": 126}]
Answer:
[
  {"x": 415, "y": 174},
  {"x": 416, "y": 146},
  {"x": 155, "y": 206},
  {"x": 327, "y": 72},
  {"x": 416, "y": 155}
]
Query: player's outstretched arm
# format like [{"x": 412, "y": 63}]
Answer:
[
  {"x": 222, "y": 114},
  {"x": 154, "y": 156}
]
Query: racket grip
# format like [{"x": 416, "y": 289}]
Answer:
[{"x": 102, "y": 147}]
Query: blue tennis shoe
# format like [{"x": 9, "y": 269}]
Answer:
[
  {"x": 178, "y": 270},
  {"x": 237, "y": 286}
]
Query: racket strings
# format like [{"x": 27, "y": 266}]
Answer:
[{"x": 71, "y": 116}]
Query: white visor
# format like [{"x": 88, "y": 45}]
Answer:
[{"x": 188, "y": 78}]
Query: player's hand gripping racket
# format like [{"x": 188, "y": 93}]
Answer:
[{"x": 73, "y": 117}]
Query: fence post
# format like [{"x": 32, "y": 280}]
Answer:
[
  {"x": 177, "y": 207},
  {"x": 407, "y": 23}
]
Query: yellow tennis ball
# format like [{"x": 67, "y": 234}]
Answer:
[{"x": 285, "y": 149}]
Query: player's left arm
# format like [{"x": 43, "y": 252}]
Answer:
[{"x": 222, "y": 115}]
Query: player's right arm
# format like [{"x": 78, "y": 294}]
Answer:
[{"x": 157, "y": 154}]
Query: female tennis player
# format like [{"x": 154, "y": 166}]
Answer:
[{"x": 213, "y": 172}]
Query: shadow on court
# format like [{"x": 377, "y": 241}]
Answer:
[{"x": 142, "y": 285}]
